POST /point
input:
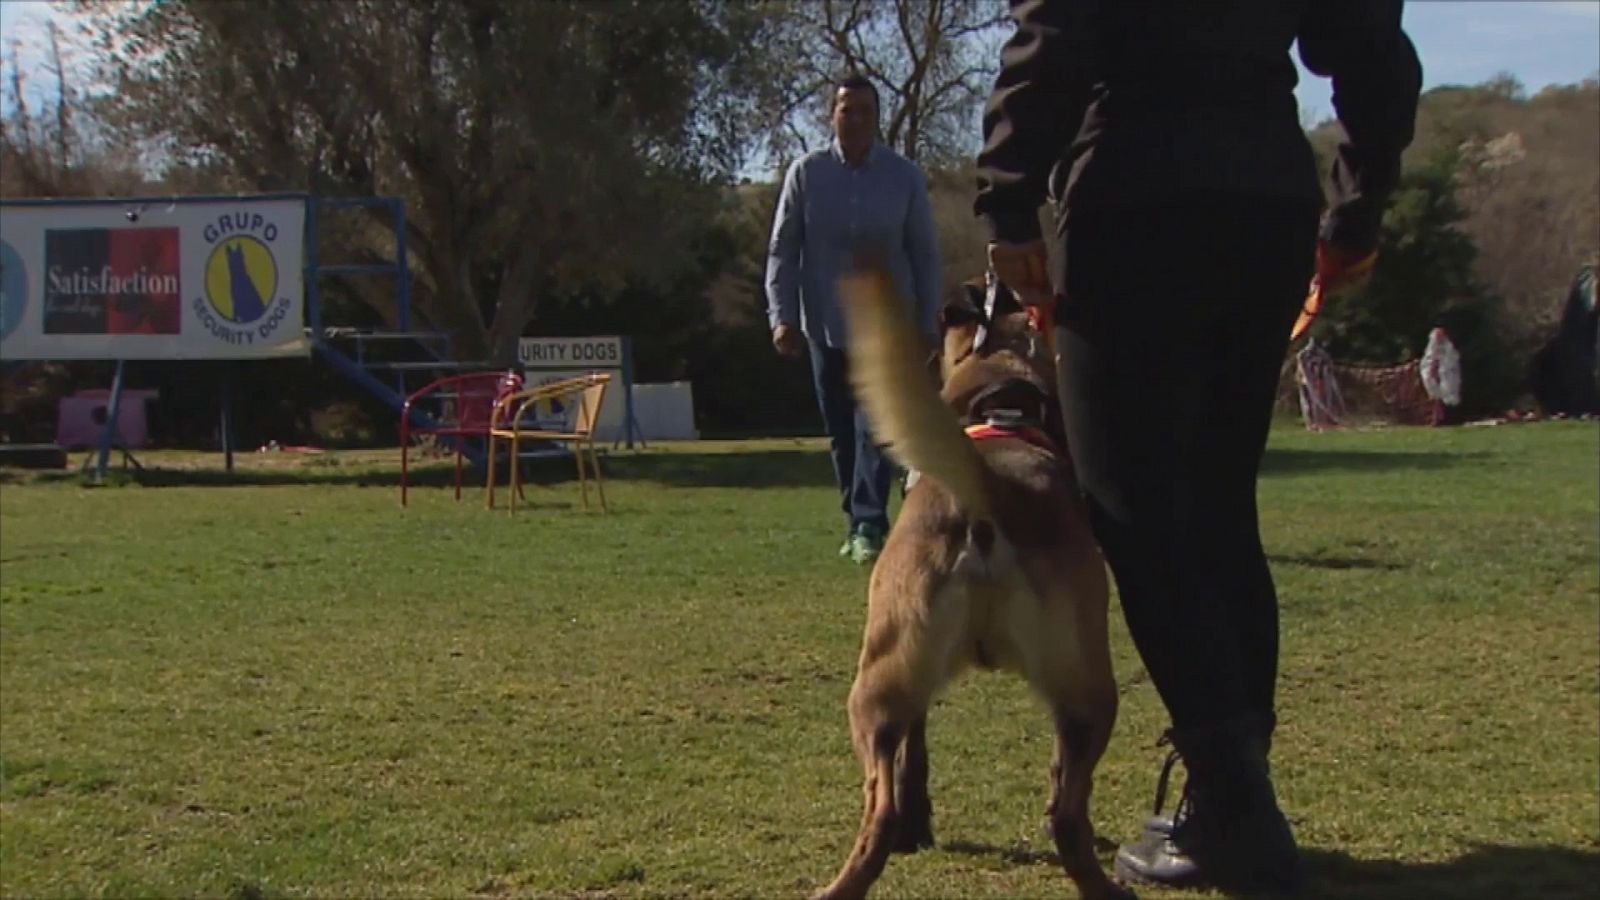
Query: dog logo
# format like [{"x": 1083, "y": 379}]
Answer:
[
  {"x": 241, "y": 279},
  {"x": 241, "y": 303}
]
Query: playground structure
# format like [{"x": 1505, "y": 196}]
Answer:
[{"x": 225, "y": 278}]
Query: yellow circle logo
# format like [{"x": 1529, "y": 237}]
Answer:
[{"x": 241, "y": 279}]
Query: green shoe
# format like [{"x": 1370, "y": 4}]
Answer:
[{"x": 866, "y": 543}]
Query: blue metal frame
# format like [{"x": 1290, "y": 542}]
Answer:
[
  {"x": 355, "y": 369},
  {"x": 147, "y": 201},
  {"x": 109, "y": 435},
  {"x": 630, "y": 424}
]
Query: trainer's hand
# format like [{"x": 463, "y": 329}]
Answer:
[
  {"x": 1339, "y": 268},
  {"x": 788, "y": 340},
  {"x": 1021, "y": 267}
]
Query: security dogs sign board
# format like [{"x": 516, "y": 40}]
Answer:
[
  {"x": 145, "y": 279},
  {"x": 584, "y": 354}
]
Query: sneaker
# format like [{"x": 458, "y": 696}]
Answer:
[
  {"x": 866, "y": 543},
  {"x": 848, "y": 545}
]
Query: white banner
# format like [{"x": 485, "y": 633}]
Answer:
[
  {"x": 153, "y": 279},
  {"x": 585, "y": 353}
]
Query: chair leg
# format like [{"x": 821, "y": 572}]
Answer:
[
  {"x": 599, "y": 480},
  {"x": 516, "y": 470},
  {"x": 583, "y": 482},
  {"x": 488, "y": 498},
  {"x": 461, "y": 445},
  {"x": 404, "y": 458}
]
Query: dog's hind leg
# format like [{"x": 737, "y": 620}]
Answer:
[
  {"x": 914, "y": 811},
  {"x": 907, "y": 653},
  {"x": 877, "y": 736}
]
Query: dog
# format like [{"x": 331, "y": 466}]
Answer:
[{"x": 991, "y": 565}]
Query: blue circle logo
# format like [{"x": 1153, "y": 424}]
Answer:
[{"x": 13, "y": 290}]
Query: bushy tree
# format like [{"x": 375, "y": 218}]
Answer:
[{"x": 540, "y": 147}]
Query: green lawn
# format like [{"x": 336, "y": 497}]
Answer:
[{"x": 283, "y": 684}]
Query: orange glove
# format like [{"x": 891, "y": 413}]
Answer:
[{"x": 1337, "y": 268}]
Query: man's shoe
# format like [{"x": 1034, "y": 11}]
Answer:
[
  {"x": 866, "y": 543},
  {"x": 1228, "y": 831}
]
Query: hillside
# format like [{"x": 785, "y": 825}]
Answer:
[{"x": 1530, "y": 183}]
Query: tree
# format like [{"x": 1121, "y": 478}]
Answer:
[
  {"x": 933, "y": 62},
  {"x": 538, "y": 146},
  {"x": 47, "y": 149}
]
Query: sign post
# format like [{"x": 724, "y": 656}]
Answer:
[{"x": 547, "y": 359}]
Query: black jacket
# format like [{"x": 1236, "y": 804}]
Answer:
[{"x": 1125, "y": 102}]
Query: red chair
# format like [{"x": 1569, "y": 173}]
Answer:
[{"x": 457, "y": 408}]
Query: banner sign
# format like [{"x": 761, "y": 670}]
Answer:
[
  {"x": 588, "y": 354},
  {"x": 141, "y": 279}
]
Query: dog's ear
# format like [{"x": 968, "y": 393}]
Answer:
[
  {"x": 964, "y": 306},
  {"x": 955, "y": 315}
]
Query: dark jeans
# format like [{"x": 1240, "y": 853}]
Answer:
[
  {"x": 860, "y": 468},
  {"x": 1171, "y": 333}
]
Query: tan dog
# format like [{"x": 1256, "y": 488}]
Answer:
[{"x": 991, "y": 563}]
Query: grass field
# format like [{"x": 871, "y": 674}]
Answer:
[{"x": 282, "y": 684}]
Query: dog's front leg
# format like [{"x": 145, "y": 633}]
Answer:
[
  {"x": 915, "y": 810},
  {"x": 1080, "y": 740}
]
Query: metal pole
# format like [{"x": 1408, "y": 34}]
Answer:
[
  {"x": 227, "y": 415},
  {"x": 313, "y": 294},
  {"x": 402, "y": 267},
  {"x": 627, "y": 387},
  {"x": 113, "y": 409}
]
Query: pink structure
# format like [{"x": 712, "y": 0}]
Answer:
[{"x": 81, "y": 418}]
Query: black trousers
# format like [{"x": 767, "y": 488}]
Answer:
[{"x": 1171, "y": 331}]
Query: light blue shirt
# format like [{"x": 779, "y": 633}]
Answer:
[{"x": 829, "y": 211}]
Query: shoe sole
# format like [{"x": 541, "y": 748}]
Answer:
[{"x": 1129, "y": 875}]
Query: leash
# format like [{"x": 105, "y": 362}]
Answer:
[
  {"x": 1316, "y": 296},
  {"x": 1042, "y": 317}
]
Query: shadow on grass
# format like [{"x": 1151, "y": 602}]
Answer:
[
  {"x": 1286, "y": 461},
  {"x": 736, "y": 469},
  {"x": 753, "y": 469},
  {"x": 1487, "y": 872},
  {"x": 1023, "y": 854},
  {"x": 757, "y": 469},
  {"x": 1334, "y": 562}
]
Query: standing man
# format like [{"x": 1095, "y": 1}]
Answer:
[
  {"x": 1187, "y": 229},
  {"x": 855, "y": 194}
]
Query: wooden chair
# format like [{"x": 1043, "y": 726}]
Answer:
[
  {"x": 456, "y": 408},
  {"x": 512, "y": 420}
]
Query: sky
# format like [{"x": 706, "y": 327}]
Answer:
[
  {"x": 1459, "y": 41},
  {"x": 1471, "y": 41}
]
